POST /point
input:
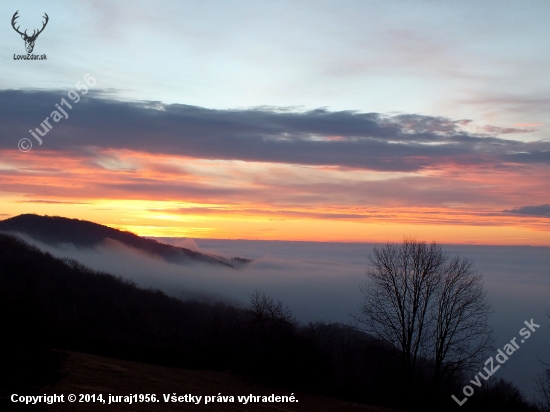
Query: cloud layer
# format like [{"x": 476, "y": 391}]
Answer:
[
  {"x": 541, "y": 210},
  {"x": 370, "y": 141}
]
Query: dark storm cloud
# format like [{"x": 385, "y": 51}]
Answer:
[
  {"x": 318, "y": 137},
  {"x": 541, "y": 210}
]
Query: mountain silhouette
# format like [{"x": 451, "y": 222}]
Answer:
[{"x": 55, "y": 230}]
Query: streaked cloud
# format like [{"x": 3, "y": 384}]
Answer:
[
  {"x": 369, "y": 141},
  {"x": 540, "y": 210}
]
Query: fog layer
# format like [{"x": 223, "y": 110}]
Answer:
[{"x": 320, "y": 281}]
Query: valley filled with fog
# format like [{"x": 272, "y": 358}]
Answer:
[{"x": 320, "y": 281}]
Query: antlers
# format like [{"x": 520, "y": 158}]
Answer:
[
  {"x": 43, "y": 25},
  {"x": 34, "y": 33},
  {"x": 15, "y": 16}
]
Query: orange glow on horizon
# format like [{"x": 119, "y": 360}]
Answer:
[{"x": 171, "y": 196}]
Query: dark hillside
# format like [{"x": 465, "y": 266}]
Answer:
[
  {"x": 49, "y": 303},
  {"x": 55, "y": 230}
]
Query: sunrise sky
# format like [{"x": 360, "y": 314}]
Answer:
[{"x": 352, "y": 121}]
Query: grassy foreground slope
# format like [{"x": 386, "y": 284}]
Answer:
[{"x": 95, "y": 374}]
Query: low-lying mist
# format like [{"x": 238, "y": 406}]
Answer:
[{"x": 320, "y": 281}]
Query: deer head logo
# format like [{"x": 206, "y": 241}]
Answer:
[{"x": 29, "y": 40}]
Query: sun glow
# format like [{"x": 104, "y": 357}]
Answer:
[{"x": 157, "y": 195}]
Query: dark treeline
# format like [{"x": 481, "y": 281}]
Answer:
[{"x": 47, "y": 303}]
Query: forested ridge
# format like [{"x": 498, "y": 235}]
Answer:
[{"x": 55, "y": 230}]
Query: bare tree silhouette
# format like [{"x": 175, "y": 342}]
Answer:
[
  {"x": 271, "y": 315},
  {"x": 431, "y": 309}
]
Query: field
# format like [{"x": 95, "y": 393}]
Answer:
[{"x": 94, "y": 375}]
